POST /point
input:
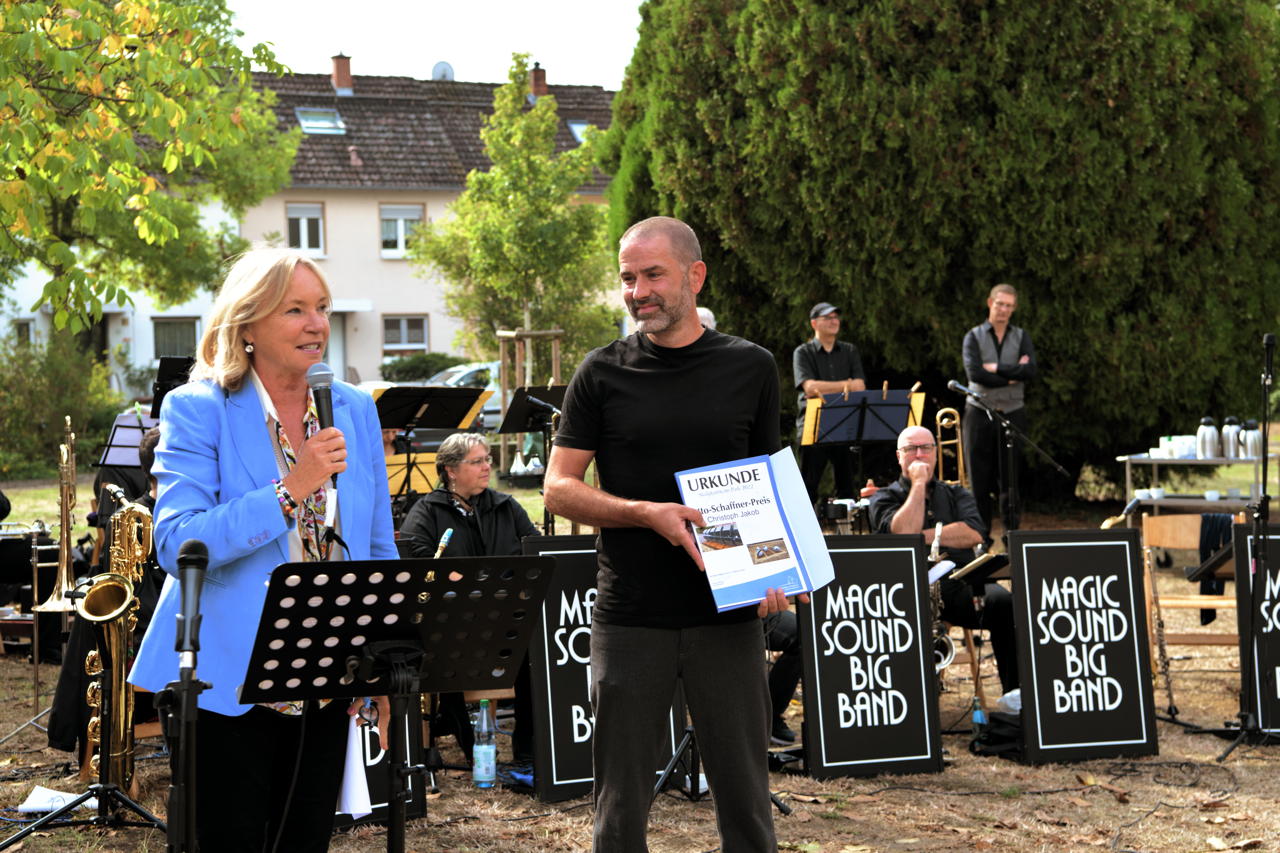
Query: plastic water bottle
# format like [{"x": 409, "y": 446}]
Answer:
[
  {"x": 484, "y": 755},
  {"x": 979, "y": 720}
]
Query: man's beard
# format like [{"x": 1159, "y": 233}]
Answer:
[{"x": 667, "y": 316}]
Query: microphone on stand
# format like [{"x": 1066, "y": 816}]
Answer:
[
  {"x": 193, "y": 560},
  {"x": 963, "y": 389}
]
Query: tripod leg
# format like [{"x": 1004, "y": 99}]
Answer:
[
  {"x": 676, "y": 758},
  {"x": 777, "y": 801},
  {"x": 47, "y": 819}
]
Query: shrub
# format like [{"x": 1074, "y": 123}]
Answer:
[
  {"x": 40, "y": 384},
  {"x": 419, "y": 366}
]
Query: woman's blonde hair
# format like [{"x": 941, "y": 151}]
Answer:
[{"x": 255, "y": 285}]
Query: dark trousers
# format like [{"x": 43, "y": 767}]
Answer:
[
  {"x": 634, "y": 673},
  {"x": 983, "y": 447},
  {"x": 782, "y": 634},
  {"x": 244, "y": 768},
  {"x": 813, "y": 460},
  {"x": 996, "y": 616}
]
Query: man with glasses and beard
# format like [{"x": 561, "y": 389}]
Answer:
[
  {"x": 674, "y": 395},
  {"x": 917, "y": 502}
]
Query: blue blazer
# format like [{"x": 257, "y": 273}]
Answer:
[{"x": 214, "y": 465}]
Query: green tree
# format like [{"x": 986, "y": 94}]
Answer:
[
  {"x": 118, "y": 121},
  {"x": 1116, "y": 160},
  {"x": 520, "y": 250}
]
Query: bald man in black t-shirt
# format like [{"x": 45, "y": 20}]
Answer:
[{"x": 673, "y": 396}]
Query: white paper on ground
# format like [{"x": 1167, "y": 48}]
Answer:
[
  {"x": 43, "y": 799},
  {"x": 353, "y": 798}
]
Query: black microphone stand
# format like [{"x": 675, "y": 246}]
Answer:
[
  {"x": 1012, "y": 434},
  {"x": 1249, "y": 728},
  {"x": 178, "y": 705}
]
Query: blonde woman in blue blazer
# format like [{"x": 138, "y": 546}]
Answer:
[{"x": 242, "y": 465}]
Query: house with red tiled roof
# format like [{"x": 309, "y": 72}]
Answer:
[{"x": 378, "y": 156}]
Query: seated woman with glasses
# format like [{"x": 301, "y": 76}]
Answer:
[{"x": 485, "y": 523}]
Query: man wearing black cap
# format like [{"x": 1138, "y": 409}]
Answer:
[{"x": 824, "y": 365}]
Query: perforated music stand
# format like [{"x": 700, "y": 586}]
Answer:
[{"x": 394, "y": 628}]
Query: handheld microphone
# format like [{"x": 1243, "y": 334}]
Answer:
[
  {"x": 193, "y": 560},
  {"x": 444, "y": 543},
  {"x": 956, "y": 386},
  {"x": 320, "y": 378}
]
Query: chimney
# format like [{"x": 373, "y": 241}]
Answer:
[
  {"x": 342, "y": 75},
  {"x": 537, "y": 80}
]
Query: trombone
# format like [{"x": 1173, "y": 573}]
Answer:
[
  {"x": 950, "y": 448},
  {"x": 59, "y": 601}
]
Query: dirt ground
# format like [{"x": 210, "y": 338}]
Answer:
[{"x": 1181, "y": 800}]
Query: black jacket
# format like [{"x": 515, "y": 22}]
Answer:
[{"x": 502, "y": 523}]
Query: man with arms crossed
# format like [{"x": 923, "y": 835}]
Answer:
[
  {"x": 998, "y": 360},
  {"x": 917, "y": 503},
  {"x": 672, "y": 396}
]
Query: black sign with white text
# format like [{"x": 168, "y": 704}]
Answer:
[
  {"x": 560, "y": 670},
  {"x": 1259, "y": 614},
  {"x": 1083, "y": 657},
  {"x": 375, "y": 767},
  {"x": 870, "y": 690}
]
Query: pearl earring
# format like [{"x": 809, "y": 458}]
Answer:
[{"x": 248, "y": 348}]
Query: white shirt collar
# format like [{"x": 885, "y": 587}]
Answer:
[{"x": 263, "y": 397}]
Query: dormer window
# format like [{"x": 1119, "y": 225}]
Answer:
[
  {"x": 578, "y": 128},
  {"x": 320, "y": 121}
]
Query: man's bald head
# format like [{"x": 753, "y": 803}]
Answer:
[
  {"x": 915, "y": 444},
  {"x": 684, "y": 243}
]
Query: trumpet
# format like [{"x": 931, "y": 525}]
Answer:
[
  {"x": 950, "y": 448},
  {"x": 59, "y": 601}
]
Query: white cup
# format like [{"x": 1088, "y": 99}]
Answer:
[
  {"x": 1157, "y": 493},
  {"x": 1142, "y": 494},
  {"x": 1212, "y": 495}
]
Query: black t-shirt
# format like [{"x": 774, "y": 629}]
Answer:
[
  {"x": 945, "y": 502},
  {"x": 647, "y": 412},
  {"x": 811, "y": 361}
]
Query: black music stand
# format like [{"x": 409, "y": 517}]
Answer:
[
  {"x": 121, "y": 449},
  {"x": 859, "y": 417},
  {"x": 172, "y": 373},
  {"x": 394, "y": 628},
  {"x": 533, "y": 409},
  {"x": 408, "y": 407}
]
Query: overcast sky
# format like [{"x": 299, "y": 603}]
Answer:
[{"x": 586, "y": 42}]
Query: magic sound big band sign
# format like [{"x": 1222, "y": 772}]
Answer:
[
  {"x": 870, "y": 703},
  {"x": 1083, "y": 658},
  {"x": 1258, "y": 600}
]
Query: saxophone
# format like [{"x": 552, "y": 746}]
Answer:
[{"x": 109, "y": 603}]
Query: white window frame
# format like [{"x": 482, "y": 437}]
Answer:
[
  {"x": 402, "y": 215},
  {"x": 578, "y": 127},
  {"x": 158, "y": 321},
  {"x": 305, "y": 212},
  {"x": 24, "y": 330},
  {"x": 391, "y": 350},
  {"x": 320, "y": 121}
]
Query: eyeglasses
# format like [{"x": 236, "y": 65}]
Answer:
[
  {"x": 483, "y": 460},
  {"x": 913, "y": 449}
]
